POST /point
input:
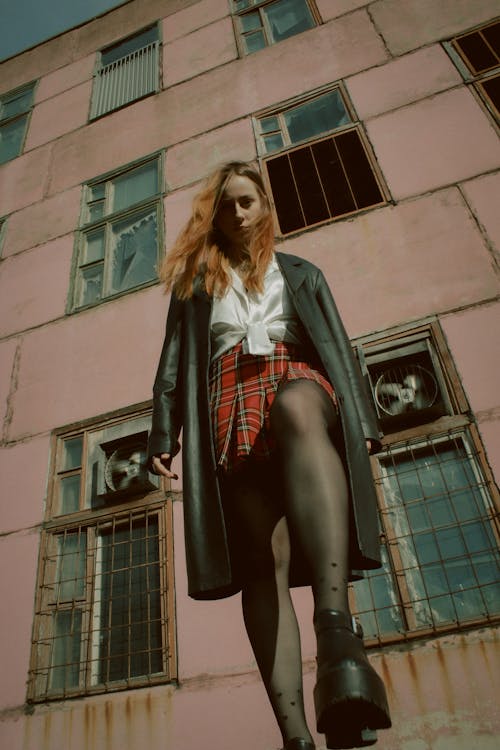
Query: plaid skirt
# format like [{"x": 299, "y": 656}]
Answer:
[{"x": 242, "y": 388}]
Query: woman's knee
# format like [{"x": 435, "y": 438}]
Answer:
[{"x": 298, "y": 408}]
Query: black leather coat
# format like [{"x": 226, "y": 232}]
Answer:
[{"x": 181, "y": 401}]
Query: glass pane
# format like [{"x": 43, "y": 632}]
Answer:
[
  {"x": 477, "y": 52},
  {"x": 376, "y": 594},
  {"x": 254, "y": 42},
  {"x": 316, "y": 117},
  {"x": 492, "y": 88},
  {"x": 65, "y": 666},
  {"x": 94, "y": 246},
  {"x": 71, "y": 561},
  {"x": 16, "y": 103},
  {"x": 273, "y": 142},
  {"x": 98, "y": 192},
  {"x": 70, "y": 494},
  {"x": 118, "y": 51},
  {"x": 11, "y": 139},
  {"x": 96, "y": 211},
  {"x": 250, "y": 21},
  {"x": 268, "y": 124},
  {"x": 91, "y": 285},
  {"x": 130, "y": 604},
  {"x": 288, "y": 17},
  {"x": 134, "y": 252},
  {"x": 242, "y": 4},
  {"x": 72, "y": 453},
  {"x": 135, "y": 186}
]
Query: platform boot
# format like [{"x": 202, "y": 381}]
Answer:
[{"x": 349, "y": 696}]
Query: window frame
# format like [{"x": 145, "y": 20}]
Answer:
[
  {"x": 473, "y": 79},
  {"x": 355, "y": 125},
  {"x": 258, "y": 5},
  {"x": 25, "y": 113},
  {"x": 458, "y": 424},
  {"x": 96, "y": 112},
  {"x": 91, "y": 523},
  {"x": 105, "y": 223}
]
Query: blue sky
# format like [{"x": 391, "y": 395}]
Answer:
[{"x": 24, "y": 23}]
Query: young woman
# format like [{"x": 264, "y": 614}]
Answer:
[{"x": 258, "y": 371}]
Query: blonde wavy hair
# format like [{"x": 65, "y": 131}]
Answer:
[{"x": 199, "y": 248}]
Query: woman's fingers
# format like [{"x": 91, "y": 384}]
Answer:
[{"x": 161, "y": 466}]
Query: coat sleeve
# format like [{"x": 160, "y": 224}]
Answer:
[
  {"x": 349, "y": 361},
  {"x": 167, "y": 388}
]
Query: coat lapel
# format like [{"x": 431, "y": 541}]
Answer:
[{"x": 294, "y": 270}]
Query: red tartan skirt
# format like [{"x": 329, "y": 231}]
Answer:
[{"x": 242, "y": 389}]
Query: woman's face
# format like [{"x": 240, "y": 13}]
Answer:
[{"x": 240, "y": 208}]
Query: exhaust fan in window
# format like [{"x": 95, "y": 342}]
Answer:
[
  {"x": 125, "y": 470},
  {"x": 406, "y": 381},
  {"x": 400, "y": 390}
]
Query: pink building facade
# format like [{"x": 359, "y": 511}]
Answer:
[{"x": 375, "y": 125}]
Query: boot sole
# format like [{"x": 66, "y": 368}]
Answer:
[{"x": 350, "y": 700}]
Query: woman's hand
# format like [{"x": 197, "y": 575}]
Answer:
[
  {"x": 369, "y": 446},
  {"x": 161, "y": 466}
]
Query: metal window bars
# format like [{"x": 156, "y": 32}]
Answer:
[{"x": 125, "y": 80}]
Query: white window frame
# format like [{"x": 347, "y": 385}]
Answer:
[
  {"x": 259, "y": 6},
  {"x": 25, "y": 114},
  {"x": 104, "y": 223},
  {"x": 89, "y": 523}
]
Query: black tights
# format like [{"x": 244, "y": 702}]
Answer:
[{"x": 310, "y": 503}]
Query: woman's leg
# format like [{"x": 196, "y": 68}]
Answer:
[
  {"x": 303, "y": 420},
  {"x": 263, "y": 550},
  {"x": 349, "y": 696}
]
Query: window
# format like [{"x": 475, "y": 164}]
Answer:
[
  {"x": 104, "y": 613},
  {"x": 477, "y": 55},
  {"x": 119, "y": 242},
  {"x": 15, "y": 109},
  {"x": 127, "y": 71},
  {"x": 330, "y": 175},
  {"x": 264, "y": 22},
  {"x": 438, "y": 524}
]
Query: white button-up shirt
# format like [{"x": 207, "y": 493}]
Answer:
[{"x": 256, "y": 319}]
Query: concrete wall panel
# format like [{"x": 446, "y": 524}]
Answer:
[
  {"x": 409, "y": 24},
  {"x": 29, "y": 174},
  {"x": 19, "y": 555},
  {"x": 473, "y": 340},
  {"x": 82, "y": 355},
  {"x": 192, "y": 18},
  {"x": 402, "y": 81},
  {"x": 65, "y": 78},
  {"x": 198, "y": 52},
  {"x": 24, "y": 469},
  {"x": 434, "y": 143},
  {"x": 403, "y": 262},
  {"x": 72, "y": 108},
  {"x": 329, "y": 9},
  {"x": 34, "y": 285},
  {"x": 482, "y": 196},
  {"x": 8, "y": 374},
  {"x": 193, "y": 159},
  {"x": 42, "y": 221}
]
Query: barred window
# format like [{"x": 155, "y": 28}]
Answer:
[
  {"x": 127, "y": 71},
  {"x": 260, "y": 23},
  {"x": 330, "y": 175},
  {"x": 438, "y": 520},
  {"x": 119, "y": 241},
  {"x": 104, "y": 614},
  {"x": 477, "y": 55},
  {"x": 15, "y": 110}
]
